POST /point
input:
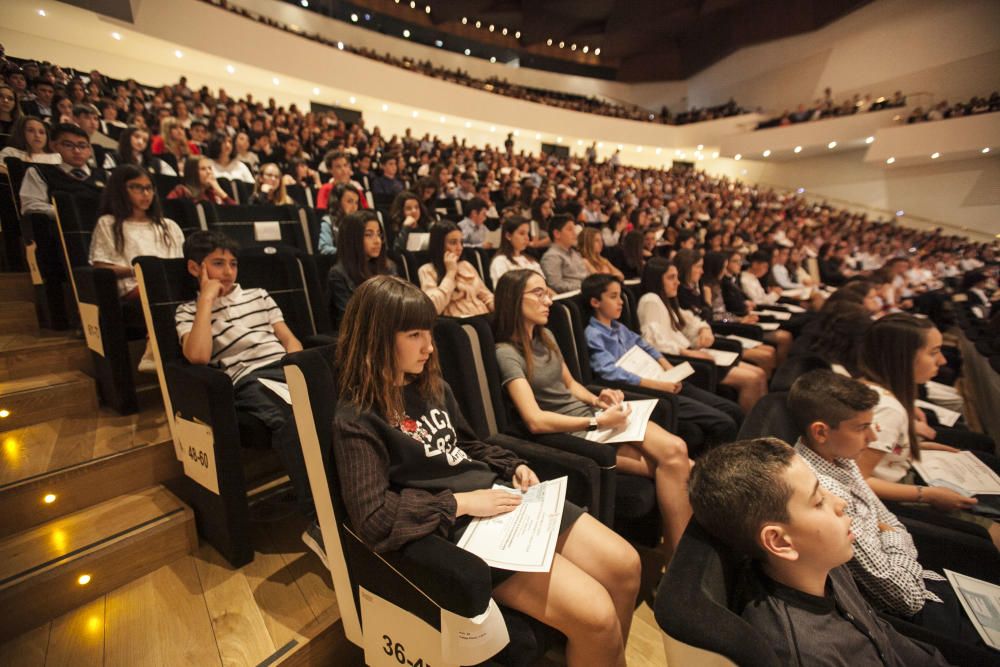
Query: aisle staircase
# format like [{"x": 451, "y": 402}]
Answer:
[{"x": 74, "y": 526}]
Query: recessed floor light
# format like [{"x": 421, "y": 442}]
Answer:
[
  {"x": 890, "y": 160},
  {"x": 935, "y": 155}
]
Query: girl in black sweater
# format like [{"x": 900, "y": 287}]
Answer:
[{"x": 410, "y": 466}]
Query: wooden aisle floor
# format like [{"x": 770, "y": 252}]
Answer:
[
  {"x": 59, "y": 443},
  {"x": 198, "y": 611}
]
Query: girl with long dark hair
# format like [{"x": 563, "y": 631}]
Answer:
[
  {"x": 515, "y": 236},
  {"x": 453, "y": 284},
  {"x": 360, "y": 256},
  {"x": 133, "y": 148},
  {"x": 29, "y": 142},
  {"x": 674, "y": 330},
  {"x": 343, "y": 201},
  {"x": 410, "y": 466},
  {"x": 408, "y": 215},
  {"x": 199, "y": 185}
]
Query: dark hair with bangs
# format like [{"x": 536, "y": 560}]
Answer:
[
  {"x": 508, "y": 318},
  {"x": 737, "y": 488},
  {"x": 380, "y": 308},
  {"x": 825, "y": 396},
  {"x": 115, "y": 201},
  {"x": 435, "y": 246}
]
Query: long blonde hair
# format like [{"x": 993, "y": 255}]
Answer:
[
  {"x": 585, "y": 244},
  {"x": 177, "y": 148}
]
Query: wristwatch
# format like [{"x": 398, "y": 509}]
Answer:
[{"x": 592, "y": 426}]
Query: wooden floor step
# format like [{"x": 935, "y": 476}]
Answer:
[
  {"x": 24, "y": 355},
  {"x": 49, "y": 496},
  {"x": 50, "y": 569},
  {"x": 18, "y": 317},
  {"x": 46, "y": 396},
  {"x": 16, "y": 287}
]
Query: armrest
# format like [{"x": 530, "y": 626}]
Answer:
[
  {"x": 705, "y": 374},
  {"x": 453, "y": 578},
  {"x": 97, "y": 286},
  {"x": 728, "y": 345},
  {"x": 583, "y": 485},
  {"x": 751, "y": 331}
]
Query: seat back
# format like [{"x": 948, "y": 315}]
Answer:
[
  {"x": 310, "y": 374},
  {"x": 410, "y": 262},
  {"x": 566, "y": 324},
  {"x": 693, "y": 607},
  {"x": 184, "y": 212},
  {"x": 468, "y": 363},
  {"x": 252, "y": 225},
  {"x": 795, "y": 366},
  {"x": 770, "y": 418},
  {"x": 77, "y": 216},
  {"x": 480, "y": 259},
  {"x": 165, "y": 184}
]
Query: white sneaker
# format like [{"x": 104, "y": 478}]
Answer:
[
  {"x": 313, "y": 538},
  {"x": 147, "y": 364}
]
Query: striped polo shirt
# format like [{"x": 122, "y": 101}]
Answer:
[{"x": 242, "y": 330}]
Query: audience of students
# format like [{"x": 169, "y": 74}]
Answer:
[
  {"x": 133, "y": 148},
  {"x": 269, "y": 187},
  {"x": 72, "y": 174},
  {"x": 198, "y": 184}
]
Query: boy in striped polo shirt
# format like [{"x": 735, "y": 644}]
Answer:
[{"x": 242, "y": 333}]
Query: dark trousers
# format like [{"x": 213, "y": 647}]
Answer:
[
  {"x": 705, "y": 419},
  {"x": 948, "y": 620},
  {"x": 254, "y": 399}
]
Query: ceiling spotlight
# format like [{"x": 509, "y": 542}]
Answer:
[
  {"x": 304, "y": 3},
  {"x": 230, "y": 69},
  {"x": 406, "y": 34},
  {"x": 737, "y": 157},
  {"x": 41, "y": 12},
  {"x": 468, "y": 52},
  {"x": 340, "y": 45},
  {"x": 585, "y": 48},
  {"x": 766, "y": 153},
  {"x": 468, "y": 124},
  {"x": 116, "y": 36},
  {"x": 479, "y": 24},
  {"x": 491, "y": 27},
  {"x": 493, "y": 128},
  {"x": 427, "y": 9},
  {"x": 465, "y": 20},
  {"x": 178, "y": 54},
  {"x": 558, "y": 140},
  {"x": 83, "y": 579},
  {"x": 832, "y": 145},
  {"x": 315, "y": 91},
  {"x": 801, "y": 191},
  {"x": 638, "y": 149},
  {"x": 935, "y": 155},
  {"x": 597, "y": 51},
  {"x": 504, "y": 31},
  {"x": 352, "y": 99},
  {"x": 441, "y": 119},
  {"x": 701, "y": 146},
  {"x": 572, "y": 47},
  {"x": 562, "y": 45},
  {"x": 985, "y": 150},
  {"x": 438, "y": 43},
  {"x": 413, "y": 4},
  {"x": 385, "y": 107},
  {"x": 890, "y": 160},
  {"x": 900, "y": 213},
  {"x": 49, "y": 498},
  {"x": 493, "y": 59},
  {"x": 517, "y": 133},
  {"x": 797, "y": 149},
  {"x": 715, "y": 154},
  {"x": 354, "y": 18},
  {"x": 538, "y": 135},
  {"x": 414, "y": 113},
  {"x": 869, "y": 140},
  {"x": 275, "y": 80},
  {"x": 517, "y": 35}
]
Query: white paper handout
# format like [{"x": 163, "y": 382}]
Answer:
[
  {"x": 470, "y": 641},
  {"x": 279, "y": 388},
  {"x": 523, "y": 540},
  {"x": 945, "y": 416},
  {"x": 639, "y": 362},
  {"x": 777, "y": 314},
  {"x": 959, "y": 471},
  {"x": 981, "y": 601},
  {"x": 417, "y": 241},
  {"x": 768, "y": 326},
  {"x": 792, "y": 308},
  {"x": 747, "y": 343},
  {"x": 633, "y": 430},
  {"x": 723, "y": 357}
]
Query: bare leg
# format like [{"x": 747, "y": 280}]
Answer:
[
  {"x": 750, "y": 382},
  {"x": 662, "y": 456},
  {"x": 782, "y": 341},
  {"x": 763, "y": 356},
  {"x": 573, "y": 602}
]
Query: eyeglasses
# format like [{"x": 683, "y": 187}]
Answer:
[
  {"x": 69, "y": 145},
  {"x": 136, "y": 187},
  {"x": 540, "y": 293}
]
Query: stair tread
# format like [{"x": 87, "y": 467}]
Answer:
[
  {"x": 18, "y": 343},
  {"x": 43, "y": 381},
  {"x": 61, "y": 537}
]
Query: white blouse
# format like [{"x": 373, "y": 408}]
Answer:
[
  {"x": 657, "y": 328},
  {"x": 141, "y": 238},
  {"x": 501, "y": 265},
  {"x": 234, "y": 171},
  {"x": 892, "y": 428}
]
